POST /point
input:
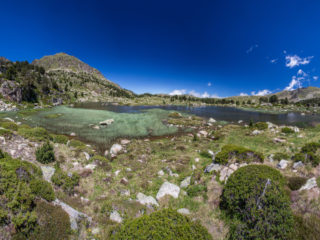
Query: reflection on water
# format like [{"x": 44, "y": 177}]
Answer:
[{"x": 229, "y": 114}]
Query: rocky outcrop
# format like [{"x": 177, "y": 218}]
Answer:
[{"x": 11, "y": 91}]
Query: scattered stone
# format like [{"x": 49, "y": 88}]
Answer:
[
  {"x": 197, "y": 159},
  {"x": 74, "y": 215},
  {"x": 117, "y": 172},
  {"x": 90, "y": 166},
  {"x": 279, "y": 140},
  {"x": 146, "y": 200},
  {"x": 204, "y": 133},
  {"x": 125, "y": 192},
  {"x": 124, "y": 181},
  {"x": 115, "y": 149},
  {"x": 168, "y": 189},
  {"x": 193, "y": 167},
  {"x": 240, "y": 121},
  {"x": 271, "y": 157},
  {"x": 256, "y": 132},
  {"x": 186, "y": 182},
  {"x": 212, "y": 120},
  {"x": 160, "y": 173},
  {"x": 95, "y": 231},
  {"x": 125, "y": 141},
  {"x": 96, "y": 127},
  {"x": 115, "y": 216},
  {"x": 233, "y": 167},
  {"x": 47, "y": 172},
  {"x": 106, "y": 153},
  {"x": 225, "y": 174},
  {"x": 297, "y": 165},
  {"x": 73, "y": 134},
  {"x": 282, "y": 164},
  {"x": 107, "y": 122},
  {"x": 311, "y": 183},
  {"x": 87, "y": 155},
  {"x": 212, "y": 167},
  {"x": 183, "y": 211}
]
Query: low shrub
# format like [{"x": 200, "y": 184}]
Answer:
[
  {"x": 309, "y": 154},
  {"x": 287, "y": 130},
  {"x": 67, "y": 181},
  {"x": 310, "y": 147},
  {"x": 9, "y": 125},
  {"x": 175, "y": 115},
  {"x": 295, "y": 183},
  {"x": 205, "y": 154},
  {"x": 45, "y": 153},
  {"x": 261, "y": 125},
  {"x": 196, "y": 190},
  {"x": 53, "y": 222},
  {"x": 43, "y": 189},
  {"x": 163, "y": 224},
  {"x": 59, "y": 138},
  {"x": 306, "y": 228},
  {"x": 279, "y": 156},
  {"x": 76, "y": 143},
  {"x": 255, "y": 200},
  {"x": 5, "y": 132},
  {"x": 238, "y": 154},
  {"x": 35, "y": 134}
]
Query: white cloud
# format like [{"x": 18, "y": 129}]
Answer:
[
  {"x": 243, "y": 94},
  {"x": 296, "y": 82},
  {"x": 252, "y": 48},
  {"x": 178, "y": 92},
  {"x": 315, "y": 78},
  {"x": 301, "y": 73},
  {"x": 209, "y": 84},
  {"x": 274, "y": 60},
  {"x": 215, "y": 96},
  {"x": 261, "y": 92},
  {"x": 294, "y": 60}
]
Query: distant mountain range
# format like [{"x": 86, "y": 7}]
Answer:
[{"x": 65, "y": 78}]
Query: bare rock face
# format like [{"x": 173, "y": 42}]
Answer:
[{"x": 11, "y": 91}]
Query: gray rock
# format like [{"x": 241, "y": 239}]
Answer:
[
  {"x": 11, "y": 91},
  {"x": 212, "y": 120},
  {"x": 115, "y": 216},
  {"x": 115, "y": 149},
  {"x": 212, "y": 167},
  {"x": 183, "y": 211},
  {"x": 87, "y": 155},
  {"x": 107, "y": 122},
  {"x": 47, "y": 172},
  {"x": 297, "y": 165},
  {"x": 124, "y": 141},
  {"x": 225, "y": 174},
  {"x": 186, "y": 182},
  {"x": 160, "y": 173},
  {"x": 282, "y": 164},
  {"x": 90, "y": 166},
  {"x": 311, "y": 183},
  {"x": 146, "y": 200},
  {"x": 74, "y": 215},
  {"x": 256, "y": 132},
  {"x": 168, "y": 189}
]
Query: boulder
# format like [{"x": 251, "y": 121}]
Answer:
[
  {"x": 160, "y": 173},
  {"x": 146, "y": 200},
  {"x": 256, "y": 132},
  {"x": 168, "y": 189},
  {"x": 183, "y": 211},
  {"x": 115, "y": 149},
  {"x": 204, "y": 133},
  {"x": 311, "y": 183},
  {"x": 297, "y": 165},
  {"x": 107, "y": 122},
  {"x": 212, "y": 167},
  {"x": 115, "y": 216},
  {"x": 186, "y": 182},
  {"x": 212, "y": 120},
  {"x": 282, "y": 164},
  {"x": 47, "y": 172},
  {"x": 74, "y": 215}
]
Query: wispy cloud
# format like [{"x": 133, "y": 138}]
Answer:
[
  {"x": 251, "y": 48},
  {"x": 243, "y": 94},
  {"x": 261, "y": 92},
  {"x": 315, "y": 78},
  {"x": 294, "y": 60},
  {"x": 178, "y": 92},
  {"x": 209, "y": 84},
  {"x": 295, "y": 83},
  {"x": 274, "y": 60},
  {"x": 301, "y": 73}
]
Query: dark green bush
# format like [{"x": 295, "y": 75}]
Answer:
[
  {"x": 160, "y": 225},
  {"x": 279, "y": 156},
  {"x": 43, "y": 189},
  {"x": 238, "y": 154},
  {"x": 255, "y": 200},
  {"x": 310, "y": 147},
  {"x": 195, "y": 190},
  {"x": 64, "y": 180},
  {"x": 54, "y": 223},
  {"x": 45, "y": 153},
  {"x": 287, "y": 130},
  {"x": 261, "y": 125},
  {"x": 295, "y": 183}
]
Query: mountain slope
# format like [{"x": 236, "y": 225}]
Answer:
[{"x": 299, "y": 94}]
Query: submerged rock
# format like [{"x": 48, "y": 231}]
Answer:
[{"x": 168, "y": 189}]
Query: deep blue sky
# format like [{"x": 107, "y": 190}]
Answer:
[{"x": 162, "y": 46}]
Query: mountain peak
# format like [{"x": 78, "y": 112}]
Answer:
[{"x": 66, "y": 62}]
